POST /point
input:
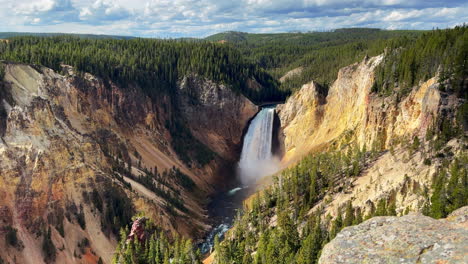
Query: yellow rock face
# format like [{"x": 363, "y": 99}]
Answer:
[{"x": 351, "y": 110}]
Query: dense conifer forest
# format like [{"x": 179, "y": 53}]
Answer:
[
  {"x": 412, "y": 55},
  {"x": 320, "y": 54},
  {"x": 235, "y": 57},
  {"x": 407, "y": 62},
  {"x": 154, "y": 65}
]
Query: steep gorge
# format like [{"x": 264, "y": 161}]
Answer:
[
  {"x": 74, "y": 146},
  {"x": 351, "y": 154}
]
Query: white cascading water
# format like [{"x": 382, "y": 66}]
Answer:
[{"x": 257, "y": 159}]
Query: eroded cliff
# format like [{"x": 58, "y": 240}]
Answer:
[
  {"x": 350, "y": 116},
  {"x": 215, "y": 114},
  {"x": 312, "y": 119},
  {"x": 76, "y": 153}
]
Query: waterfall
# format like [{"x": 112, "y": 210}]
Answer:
[
  {"x": 256, "y": 158},
  {"x": 256, "y": 161}
]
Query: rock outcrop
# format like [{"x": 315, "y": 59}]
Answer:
[
  {"x": 138, "y": 230},
  {"x": 412, "y": 238},
  {"x": 290, "y": 74}
]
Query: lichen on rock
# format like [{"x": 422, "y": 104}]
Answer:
[{"x": 413, "y": 238}]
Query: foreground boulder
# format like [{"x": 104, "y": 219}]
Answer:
[{"x": 412, "y": 238}]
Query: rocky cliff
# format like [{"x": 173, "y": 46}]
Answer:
[
  {"x": 349, "y": 115},
  {"x": 311, "y": 119},
  {"x": 412, "y": 238},
  {"x": 214, "y": 114},
  {"x": 69, "y": 144}
]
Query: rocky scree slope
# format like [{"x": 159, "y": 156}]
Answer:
[{"x": 73, "y": 147}]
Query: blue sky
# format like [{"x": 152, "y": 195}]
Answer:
[{"x": 189, "y": 18}]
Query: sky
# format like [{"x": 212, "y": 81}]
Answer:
[{"x": 189, "y": 18}]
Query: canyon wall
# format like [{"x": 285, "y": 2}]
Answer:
[
  {"x": 64, "y": 134},
  {"x": 215, "y": 115},
  {"x": 312, "y": 119},
  {"x": 349, "y": 116}
]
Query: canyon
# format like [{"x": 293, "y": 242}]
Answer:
[
  {"x": 66, "y": 139},
  {"x": 392, "y": 136},
  {"x": 70, "y": 138}
]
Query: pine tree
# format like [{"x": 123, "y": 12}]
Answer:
[
  {"x": 313, "y": 186},
  {"x": 381, "y": 208},
  {"x": 457, "y": 187},
  {"x": 349, "y": 214},
  {"x": 336, "y": 225},
  {"x": 391, "y": 210},
  {"x": 358, "y": 218},
  {"x": 439, "y": 198}
]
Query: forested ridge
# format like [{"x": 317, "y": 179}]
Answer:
[
  {"x": 235, "y": 57},
  {"x": 154, "y": 65},
  {"x": 320, "y": 54},
  {"x": 411, "y": 56},
  {"x": 438, "y": 52}
]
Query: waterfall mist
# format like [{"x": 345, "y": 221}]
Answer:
[{"x": 257, "y": 159}]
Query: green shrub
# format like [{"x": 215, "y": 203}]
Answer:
[{"x": 2, "y": 71}]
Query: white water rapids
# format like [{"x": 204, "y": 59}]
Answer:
[{"x": 257, "y": 159}]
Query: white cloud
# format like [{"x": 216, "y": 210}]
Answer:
[
  {"x": 174, "y": 18},
  {"x": 103, "y": 10},
  {"x": 40, "y": 6},
  {"x": 45, "y": 11}
]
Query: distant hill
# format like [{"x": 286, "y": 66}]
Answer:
[
  {"x": 306, "y": 38},
  {"x": 5, "y": 35},
  {"x": 230, "y": 36}
]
